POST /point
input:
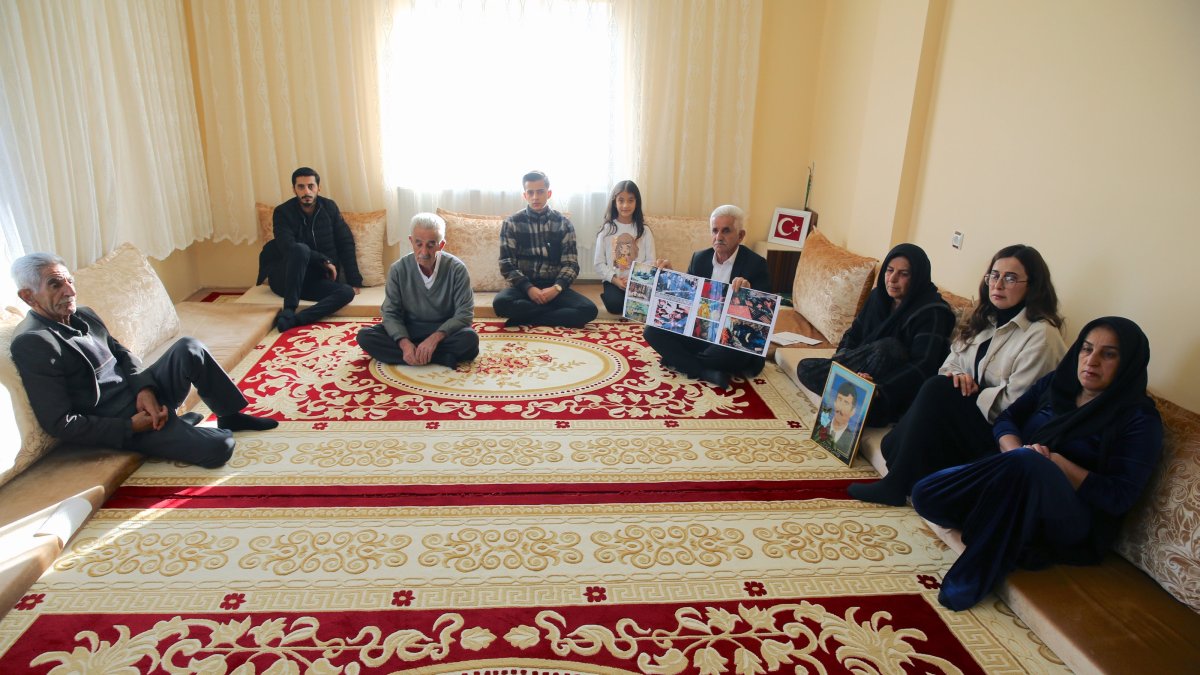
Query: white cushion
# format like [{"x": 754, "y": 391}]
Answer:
[{"x": 22, "y": 439}]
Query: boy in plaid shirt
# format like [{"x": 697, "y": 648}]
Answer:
[{"x": 539, "y": 258}]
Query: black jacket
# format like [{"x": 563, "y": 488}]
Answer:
[
  {"x": 749, "y": 265},
  {"x": 326, "y": 234},
  {"x": 61, "y": 382}
]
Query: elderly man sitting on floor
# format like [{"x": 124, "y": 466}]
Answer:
[
  {"x": 428, "y": 305},
  {"x": 86, "y": 387}
]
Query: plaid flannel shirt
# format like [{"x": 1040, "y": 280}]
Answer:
[{"x": 538, "y": 249}]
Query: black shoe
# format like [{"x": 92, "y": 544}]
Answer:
[
  {"x": 243, "y": 422},
  {"x": 192, "y": 418},
  {"x": 719, "y": 378},
  {"x": 285, "y": 320},
  {"x": 877, "y": 493}
]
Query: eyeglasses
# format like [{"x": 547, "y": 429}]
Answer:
[{"x": 1008, "y": 278}]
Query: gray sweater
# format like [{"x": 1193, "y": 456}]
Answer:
[{"x": 409, "y": 309}]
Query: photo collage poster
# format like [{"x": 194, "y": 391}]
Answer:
[{"x": 701, "y": 308}]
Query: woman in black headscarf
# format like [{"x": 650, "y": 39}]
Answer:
[
  {"x": 1011, "y": 340},
  {"x": 898, "y": 340},
  {"x": 1075, "y": 453}
]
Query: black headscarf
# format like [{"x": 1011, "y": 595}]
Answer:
[
  {"x": 1127, "y": 391},
  {"x": 878, "y": 317}
]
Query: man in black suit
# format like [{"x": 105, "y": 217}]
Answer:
[
  {"x": 730, "y": 262},
  {"x": 85, "y": 387}
]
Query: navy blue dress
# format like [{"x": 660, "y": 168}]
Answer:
[{"x": 1017, "y": 509}]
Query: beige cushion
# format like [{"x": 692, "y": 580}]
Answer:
[
  {"x": 962, "y": 308},
  {"x": 1106, "y": 618},
  {"x": 831, "y": 285},
  {"x": 266, "y": 224},
  {"x": 475, "y": 240},
  {"x": 676, "y": 238},
  {"x": 1159, "y": 536},
  {"x": 368, "y": 228},
  {"x": 22, "y": 439},
  {"x": 129, "y": 297}
]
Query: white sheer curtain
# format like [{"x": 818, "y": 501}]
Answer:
[
  {"x": 100, "y": 143},
  {"x": 475, "y": 93},
  {"x": 103, "y": 141},
  {"x": 694, "y": 78},
  {"x": 284, "y": 85}
]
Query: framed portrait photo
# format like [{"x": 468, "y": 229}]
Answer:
[
  {"x": 844, "y": 405},
  {"x": 790, "y": 227}
]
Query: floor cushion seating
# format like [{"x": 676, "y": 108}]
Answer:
[
  {"x": 369, "y": 229},
  {"x": 1137, "y": 612},
  {"x": 475, "y": 239},
  {"x": 49, "y": 489}
]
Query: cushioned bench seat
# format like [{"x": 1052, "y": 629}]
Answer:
[
  {"x": 47, "y": 500},
  {"x": 45, "y": 504},
  {"x": 1107, "y": 618},
  {"x": 368, "y": 301},
  {"x": 1112, "y": 617}
]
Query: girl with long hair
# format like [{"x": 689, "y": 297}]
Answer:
[{"x": 623, "y": 240}]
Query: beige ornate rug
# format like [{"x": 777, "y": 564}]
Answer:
[{"x": 562, "y": 505}]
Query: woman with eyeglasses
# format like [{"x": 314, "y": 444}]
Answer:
[{"x": 1010, "y": 341}]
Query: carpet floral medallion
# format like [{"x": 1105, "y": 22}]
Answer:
[{"x": 561, "y": 505}]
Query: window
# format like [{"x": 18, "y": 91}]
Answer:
[{"x": 476, "y": 93}]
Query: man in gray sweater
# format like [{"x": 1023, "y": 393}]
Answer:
[{"x": 428, "y": 305}]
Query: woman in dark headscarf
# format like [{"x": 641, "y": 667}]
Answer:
[
  {"x": 1076, "y": 452},
  {"x": 898, "y": 340},
  {"x": 1010, "y": 342}
]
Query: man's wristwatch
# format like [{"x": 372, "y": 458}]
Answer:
[{"x": 558, "y": 288}]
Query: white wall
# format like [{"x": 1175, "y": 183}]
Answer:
[{"x": 1075, "y": 127}]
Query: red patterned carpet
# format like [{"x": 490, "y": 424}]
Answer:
[
  {"x": 221, "y": 296},
  {"x": 562, "y": 505}
]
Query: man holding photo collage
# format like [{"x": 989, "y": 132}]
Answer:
[{"x": 730, "y": 262}]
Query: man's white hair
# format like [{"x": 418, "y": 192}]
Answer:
[
  {"x": 738, "y": 215},
  {"x": 430, "y": 221},
  {"x": 27, "y": 270}
]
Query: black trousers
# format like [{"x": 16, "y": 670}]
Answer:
[
  {"x": 299, "y": 277},
  {"x": 691, "y": 356},
  {"x": 461, "y": 345},
  {"x": 185, "y": 364},
  {"x": 613, "y": 298},
  {"x": 570, "y": 309},
  {"x": 941, "y": 429}
]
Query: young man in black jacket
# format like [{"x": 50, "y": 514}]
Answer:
[{"x": 311, "y": 256}]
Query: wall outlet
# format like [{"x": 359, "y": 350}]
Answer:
[{"x": 956, "y": 240}]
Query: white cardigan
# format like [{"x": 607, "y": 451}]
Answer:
[{"x": 1022, "y": 351}]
